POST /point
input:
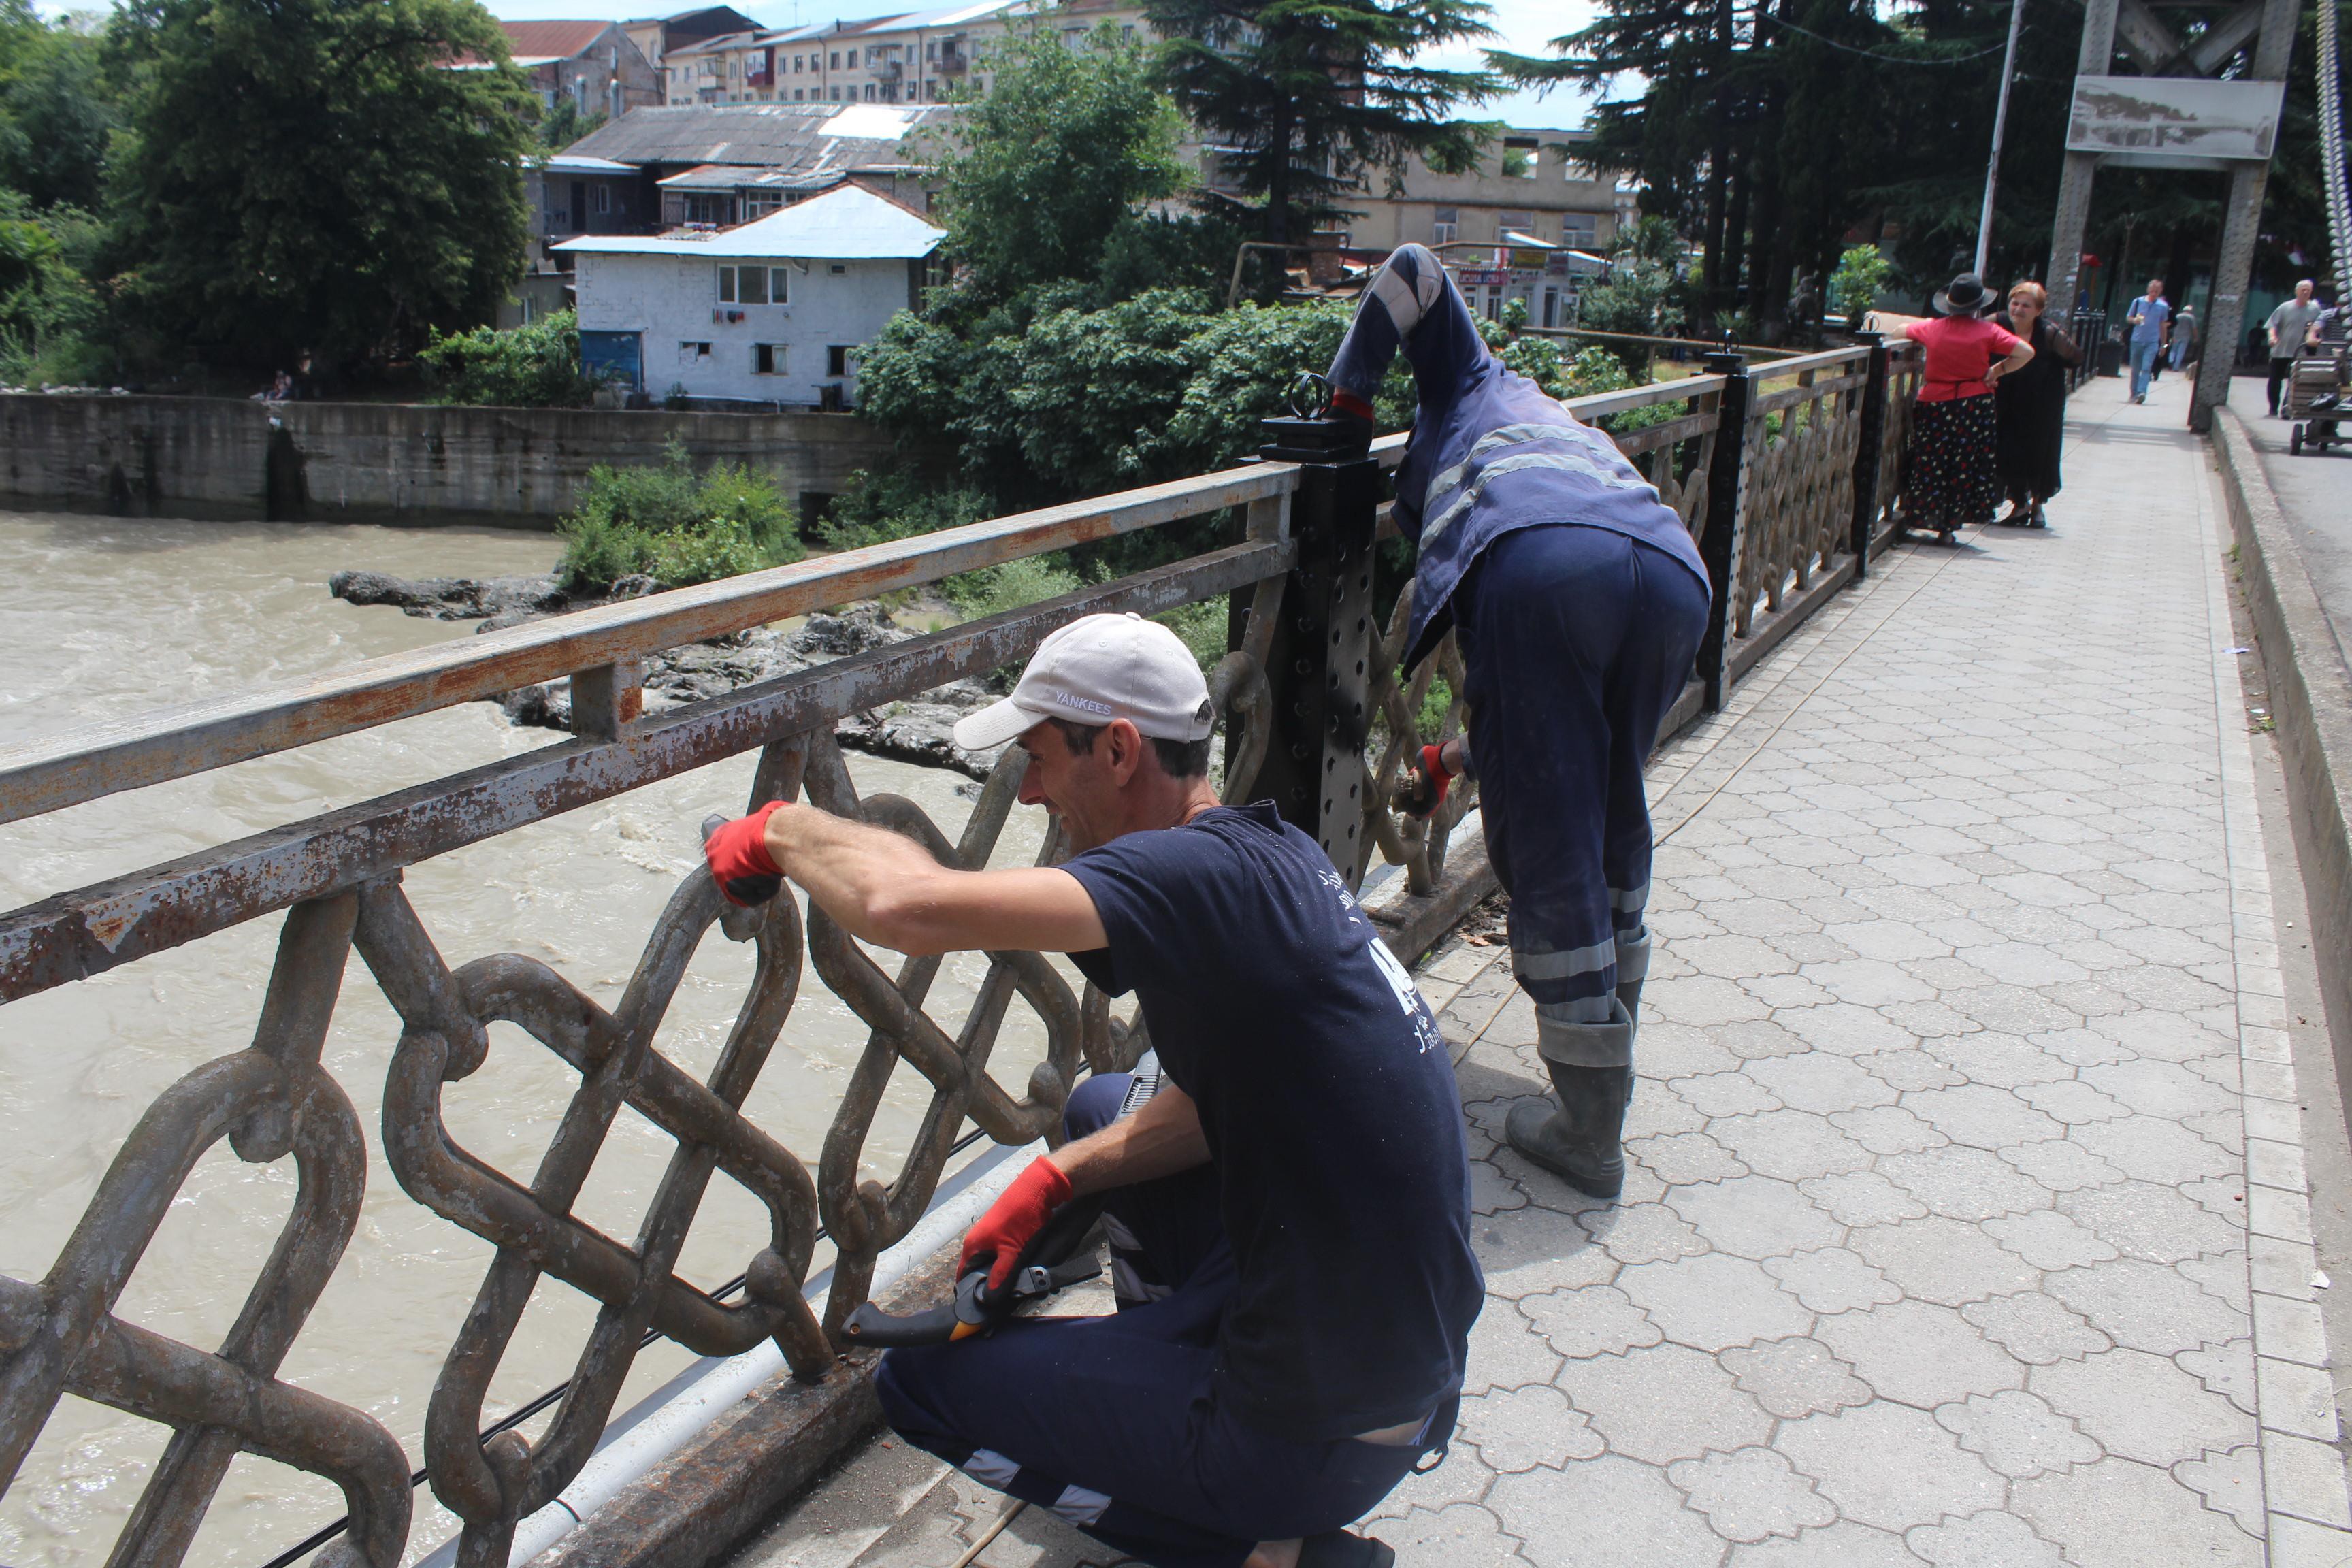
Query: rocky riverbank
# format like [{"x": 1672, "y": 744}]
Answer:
[{"x": 919, "y": 731}]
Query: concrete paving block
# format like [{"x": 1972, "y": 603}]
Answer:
[
  {"x": 2295, "y": 1398},
  {"x": 1889, "y": 1466},
  {"x": 2305, "y": 1478},
  {"x": 2141, "y": 1406},
  {"x": 2290, "y": 1329},
  {"x": 2299, "y": 1544},
  {"x": 1987, "y": 1540},
  {"x": 2230, "y": 1482}
]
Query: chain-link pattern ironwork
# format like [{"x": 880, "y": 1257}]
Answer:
[
  {"x": 58, "y": 1336},
  {"x": 1800, "y": 501}
]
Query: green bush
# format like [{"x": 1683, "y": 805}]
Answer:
[
  {"x": 664, "y": 522},
  {"x": 1862, "y": 272},
  {"x": 537, "y": 366}
]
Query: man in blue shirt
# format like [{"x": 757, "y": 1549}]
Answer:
[
  {"x": 1580, "y": 600},
  {"x": 1298, "y": 1184},
  {"x": 2149, "y": 318}
]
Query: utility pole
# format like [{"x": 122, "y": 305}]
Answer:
[
  {"x": 2274, "y": 47},
  {"x": 1999, "y": 126},
  {"x": 2075, "y": 186}
]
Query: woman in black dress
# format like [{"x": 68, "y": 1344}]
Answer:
[{"x": 2031, "y": 406}]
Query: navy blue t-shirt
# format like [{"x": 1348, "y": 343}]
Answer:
[{"x": 1329, "y": 1102}]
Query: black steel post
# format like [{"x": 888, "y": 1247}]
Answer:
[
  {"x": 1868, "y": 450},
  {"x": 1319, "y": 663},
  {"x": 1726, "y": 512}
]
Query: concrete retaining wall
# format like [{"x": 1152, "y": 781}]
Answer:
[
  {"x": 371, "y": 462},
  {"x": 2310, "y": 703}
]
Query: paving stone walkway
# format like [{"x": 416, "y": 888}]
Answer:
[{"x": 1966, "y": 1222}]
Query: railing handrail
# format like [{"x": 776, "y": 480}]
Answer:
[{"x": 94, "y": 761}]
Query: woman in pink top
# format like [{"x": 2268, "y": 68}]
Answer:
[{"x": 1952, "y": 476}]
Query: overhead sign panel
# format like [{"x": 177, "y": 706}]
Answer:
[{"x": 2178, "y": 122}]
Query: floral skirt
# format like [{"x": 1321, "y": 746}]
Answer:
[{"x": 1953, "y": 470}]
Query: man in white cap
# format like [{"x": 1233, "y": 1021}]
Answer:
[{"x": 1297, "y": 1187}]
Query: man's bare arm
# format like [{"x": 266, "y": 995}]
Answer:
[
  {"x": 1161, "y": 1139},
  {"x": 884, "y": 888}
]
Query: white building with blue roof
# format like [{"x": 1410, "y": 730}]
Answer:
[{"x": 770, "y": 312}]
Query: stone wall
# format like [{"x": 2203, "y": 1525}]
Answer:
[{"x": 371, "y": 462}]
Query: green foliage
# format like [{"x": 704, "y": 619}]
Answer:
[
  {"x": 561, "y": 126},
  {"x": 1862, "y": 272},
  {"x": 663, "y": 521},
  {"x": 1069, "y": 140},
  {"x": 53, "y": 324},
  {"x": 1311, "y": 95},
  {"x": 308, "y": 176},
  {"x": 1637, "y": 299},
  {"x": 535, "y": 366},
  {"x": 1082, "y": 401},
  {"x": 56, "y": 108}
]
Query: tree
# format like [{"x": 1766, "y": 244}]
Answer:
[
  {"x": 1068, "y": 141},
  {"x": 1315, "y": 95},
  {"x": 309, "y": 175},
  {"x": 537, "y": 366},
  {"x": 56, "y": 108},
  {"x": 565, "y": 123}
]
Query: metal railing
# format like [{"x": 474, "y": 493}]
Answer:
[{"x": 1318, "y": 719}]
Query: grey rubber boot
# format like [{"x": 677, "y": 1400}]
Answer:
[{"x": 1591, "y": 1067}]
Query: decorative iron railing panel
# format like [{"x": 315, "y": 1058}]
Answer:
[{"x": 338, "y": 877}]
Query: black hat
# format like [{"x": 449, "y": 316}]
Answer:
[{"x": 1964, "y": 296}]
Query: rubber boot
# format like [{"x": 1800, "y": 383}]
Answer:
[
  {"x": 1338, "y": 1548},
  {"x": 1591, "y": 1067}
]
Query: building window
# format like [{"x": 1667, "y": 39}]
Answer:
[
  {"x": 767, "y": 359},
  {"x": 693, "y": 353},
  {"x": 759, "y": 285},
  {"x": 1447, "y": 228},
  {"x": 836, "y": 59},
  {"x": 1522, "y": 154},
  {"x": 1515, "y": 222},
  {"x": 759, "y": 204},
  {"x": 869, "y": 92},
  {"x": 604, "y": 198},
  {"x": 1579, "y": 231},
  {"x": 706, "y": 209},
  {"x": 836, "y": 359}
]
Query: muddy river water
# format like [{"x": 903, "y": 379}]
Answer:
[{"x": 105, "y": 617}]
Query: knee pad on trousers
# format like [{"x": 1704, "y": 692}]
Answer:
[{"x": 1572, "y": 1043}]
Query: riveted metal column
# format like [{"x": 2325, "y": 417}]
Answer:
[
  {"x": 1727, "y": 513},
  {"x": 1867, "y": 450},
  {"x": 1319, "y": 661}
]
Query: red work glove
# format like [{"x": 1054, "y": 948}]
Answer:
[
  {"x": 737, "y": 854},
  {"x": 1424, "y": 789},
  {"x": 1014, "y": 1219}
]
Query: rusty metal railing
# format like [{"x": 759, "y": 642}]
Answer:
[{"x": 1309, "y": 681}]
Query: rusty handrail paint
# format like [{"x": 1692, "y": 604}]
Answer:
[
  {"x": 88, "y": 931},
  {"x": 173, "y": 743}
]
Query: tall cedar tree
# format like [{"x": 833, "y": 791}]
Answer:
[
  {"x": 1771, "y": 130},
  {"x": 1070, "y": 140},
  {"x": 312, "y": 176},
  {"x": 1315, "y": 95}
]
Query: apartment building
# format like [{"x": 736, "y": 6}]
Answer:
[
  {"x": 596, "y": 65},
  {"x": 907, "y": 57}
]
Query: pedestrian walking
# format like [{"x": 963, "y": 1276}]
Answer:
[
  {"x": 1952, "y": 472},
  {"x": 2150, "y": 322},
  {"x": 2031, "y": 405},
  {"x": 2184, "y": 339},
  {"x": 2289, "y": 325}
]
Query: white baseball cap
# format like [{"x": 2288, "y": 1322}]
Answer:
[{"x": 1095, "y": 670}]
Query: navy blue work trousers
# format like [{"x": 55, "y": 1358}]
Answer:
[
  {"x": 1576, "y": 641},
  {"x": 1115, "y": 1424}
]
